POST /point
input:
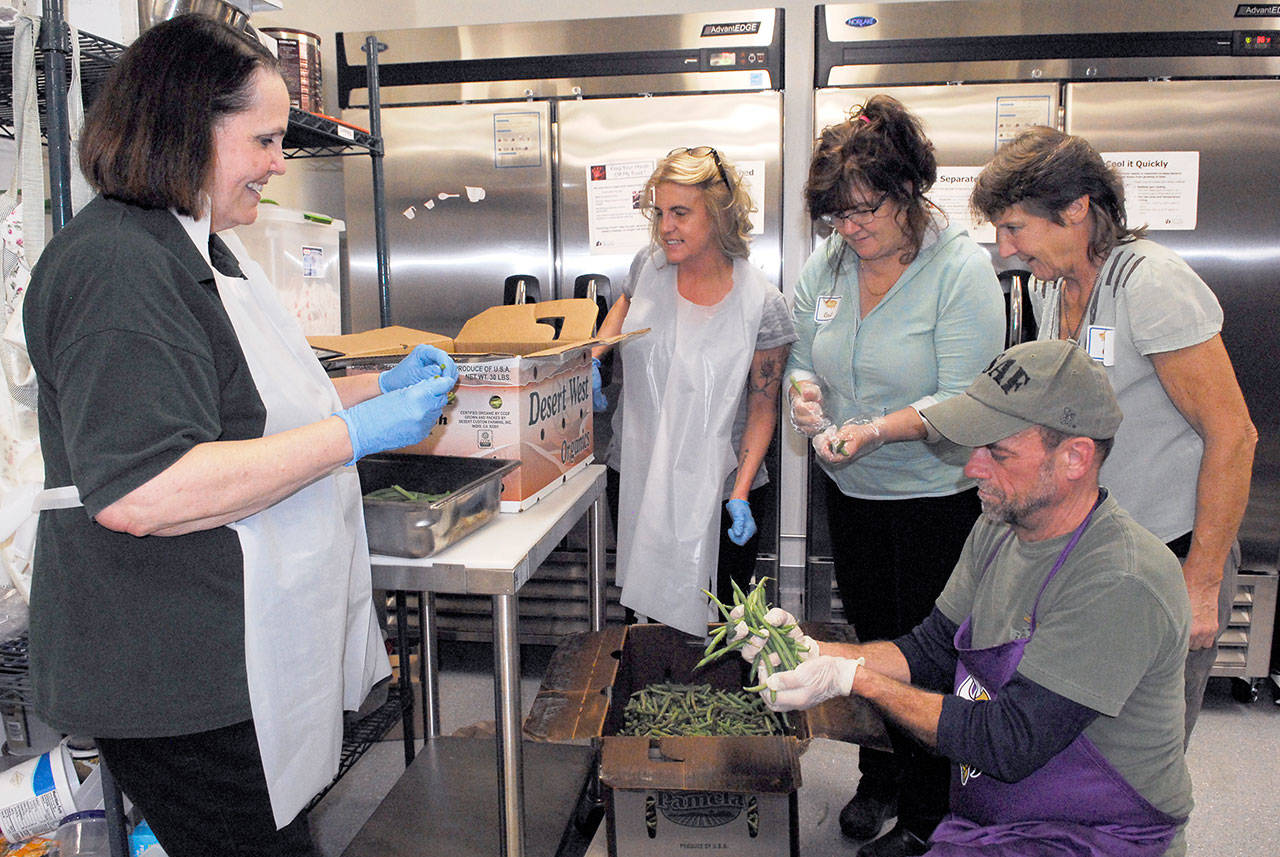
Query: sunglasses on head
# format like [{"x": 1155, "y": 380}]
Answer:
[{"x": 702, "y": 152}]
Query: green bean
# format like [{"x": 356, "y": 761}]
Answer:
[
  {"x": 697, "y": 710},
  {"x": 395, "y": 492}
]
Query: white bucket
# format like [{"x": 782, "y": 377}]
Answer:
[{"x": 36, "y": 795}]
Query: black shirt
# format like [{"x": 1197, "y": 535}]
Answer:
[{"x": 137, "y": 362}]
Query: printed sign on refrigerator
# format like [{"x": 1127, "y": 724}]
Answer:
[
  {"x": 615, "y": 202},
  {"x": 1017, "y": 113},
  {"x": 615, "y": 191},
  {"x": 517, "y": 140},
  {"x": 951, "y": 193},
  {"x": 1161, "y": 189}
]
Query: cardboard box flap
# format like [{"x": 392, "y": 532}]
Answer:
[
  {"x": 724, "y": 764},
  {"x": 574, "y": 696},
  {"x": 528, "y": 328},
  {"x": 381, "y": 342},
  {"x": 595, "y": 340},
  {"x": 850, "y": 719}
]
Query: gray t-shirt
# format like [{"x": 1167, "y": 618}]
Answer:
[
  {"x": 776, "y": 329},
  {"x": 1156, "y": 304},
  {"x": 1111, "y": 634}
]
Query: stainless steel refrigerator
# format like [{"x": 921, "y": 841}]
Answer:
[
  {"x": 515, "y": 153},
  {"x": 1192, "y": 84}
]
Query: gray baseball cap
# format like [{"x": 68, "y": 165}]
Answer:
[{"x": 1053, "y": 383}]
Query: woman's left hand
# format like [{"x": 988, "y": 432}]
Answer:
[
  {"x": 744, "y": 524},
  {"x": 421, "y": 364},
  {"x": 854, "y": 439}
]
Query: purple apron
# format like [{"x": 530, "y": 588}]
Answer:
[{"x": 1076, "y": 804}]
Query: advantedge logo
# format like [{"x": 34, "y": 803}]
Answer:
[
  {"x": 742, "y": 28},
  {"x": 1258, "y": 10}
]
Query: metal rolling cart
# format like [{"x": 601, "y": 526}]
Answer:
[{"x": 496, "y": 562}]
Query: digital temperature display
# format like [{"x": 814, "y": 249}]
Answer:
[
  {"x": 743, "y": 58},
  {"x": 1256, "y": 43}
]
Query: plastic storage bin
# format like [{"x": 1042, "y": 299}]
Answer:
[{"x": 300, "y": 252}]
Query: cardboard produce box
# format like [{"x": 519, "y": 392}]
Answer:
[
  {"x": 669, "y": 796},
  {"x": 523, "y": 392}
]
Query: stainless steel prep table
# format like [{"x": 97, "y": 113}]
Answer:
[{"x": 497, "y": 560}]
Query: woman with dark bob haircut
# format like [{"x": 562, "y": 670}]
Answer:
[
  {"x": 201, "y": 598},
  {"x": 896, "y": 310},
  {"x": 1182, "y": 460}
]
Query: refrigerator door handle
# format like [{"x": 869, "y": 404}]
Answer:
[{"x": 521, "y": 288}]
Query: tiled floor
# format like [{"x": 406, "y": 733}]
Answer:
[{"x": 1234, "y": 759}]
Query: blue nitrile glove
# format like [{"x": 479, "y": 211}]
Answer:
[
  {"x": 744, "y": 526},
  {"x": 598, "y": 401},
  {"x": 423, "y": 362},
  {"x": 396, "y": 419}
]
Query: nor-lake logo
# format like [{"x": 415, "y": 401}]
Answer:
[{"x": 861, "y": 21}]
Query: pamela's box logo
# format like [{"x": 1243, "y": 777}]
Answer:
[{"x": 742, "y": 28}]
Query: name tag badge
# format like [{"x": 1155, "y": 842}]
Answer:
[
  {"x": 826, "y": 308},
  {"x": 1100, "y": 342}
]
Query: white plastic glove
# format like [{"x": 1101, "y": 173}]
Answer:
[
  {"x": 854, "y": 439},
  {"x": 806, "y": 408},
  {"x": 779, "y": 618},
  {"x": 813, "y": 682}
]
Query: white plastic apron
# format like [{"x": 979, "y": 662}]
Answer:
[
  {"x": 312, "y": 644},
  {"x": 684, "y": 382}
]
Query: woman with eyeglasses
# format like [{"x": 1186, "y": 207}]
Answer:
[
  {"x": 699, "y": 398},
  {"x": 896, "y": 310}
]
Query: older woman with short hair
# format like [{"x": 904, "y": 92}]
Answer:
[{"x": 1183, "y": 458}]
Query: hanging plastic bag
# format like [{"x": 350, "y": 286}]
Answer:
[
  {"x": 21, "y": 465},
  {"x": 22, "y": 237}
]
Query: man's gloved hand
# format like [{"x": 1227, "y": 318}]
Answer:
[
  {"x": 806, "y": 408},
  {"x": 854, "y": 439},
  {"x": 420, "y": 364},
  {"x": 599, "y": 403},
  {"x": 744, "y": 525},
  {"x": 396, "y": 419},
  {"x": 815, "y": 681},
  {"x": 779, "y": 619}
]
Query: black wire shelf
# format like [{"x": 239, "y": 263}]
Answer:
[
  {"x": 97, "y": 56},
  {"x": 359, "y": 736},
  {"x": 311, "y": 135}
]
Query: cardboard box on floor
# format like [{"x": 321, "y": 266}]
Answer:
[
  {"x": 523, "y": 392},
  {"x": 669, "y": 796}
]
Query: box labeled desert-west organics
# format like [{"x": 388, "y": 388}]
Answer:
[{"x": 523, "y": 393}]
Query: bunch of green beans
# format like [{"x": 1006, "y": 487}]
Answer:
[
  {"x": 667, "y": 710},
  {"x": 395, "y": 492},
  {"x": 777, "y": 640}
]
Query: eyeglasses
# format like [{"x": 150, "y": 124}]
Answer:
[
  {"x": 860, "y": 216},
  {"x": 702, "y": 152}
]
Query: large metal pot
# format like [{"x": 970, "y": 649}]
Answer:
[{"x": 152, "y": 12}]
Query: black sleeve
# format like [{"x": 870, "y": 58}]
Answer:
[
  {"x": 931, "y": 653},
  {"x": 1013, "y": 735}
]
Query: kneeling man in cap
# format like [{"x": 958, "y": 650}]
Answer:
[{"x": 1051, "y": 669}]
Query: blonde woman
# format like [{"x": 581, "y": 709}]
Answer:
[{"x": 699, "y": 403}]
